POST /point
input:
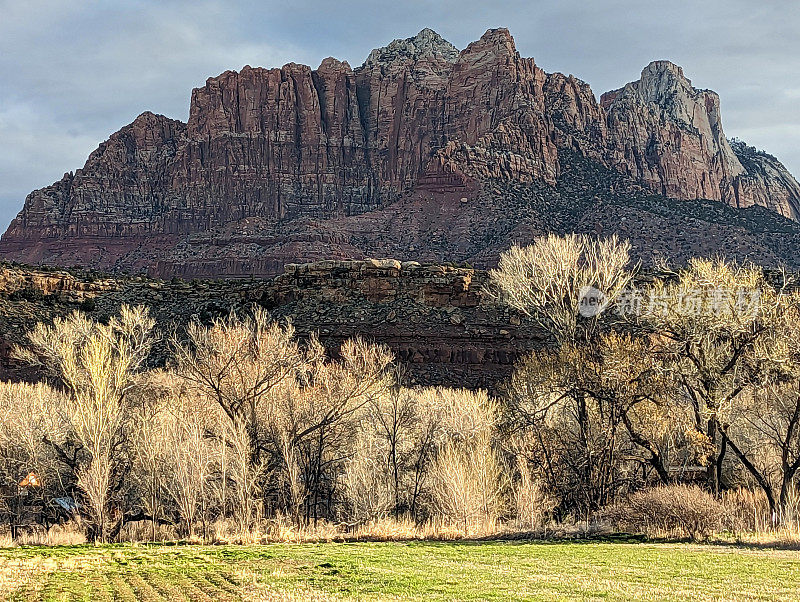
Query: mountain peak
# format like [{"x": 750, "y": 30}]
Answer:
[
  {"x": 662, "y": 82},
  {"x": 497, "y": 41},
  {"x": 427, "y": 43},
  {"x": 424, "y": 154},
  {"x": 499, "y": 35},
  {"x": 664, "y": 75},
  {"x": 662, "y": 67}
]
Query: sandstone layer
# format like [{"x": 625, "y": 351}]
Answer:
[
  {"x": 410, "y": 155},
  {"x": 441, "y": 325}
]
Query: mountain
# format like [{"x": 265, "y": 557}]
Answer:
[{"x": 422, "y": 153}]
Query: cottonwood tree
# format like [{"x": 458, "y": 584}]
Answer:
[
  {"x": 368, "y": 491},
  {"x": 393, "y": 419},
  {"x": 546, "y": 280},
  {"x": 768, "y": 435},
  {"x": 149, "y": 467},
  {"x": 96, "y": 364},
  {"x": 29, "y": 415},
  {"x": 711, "y": 329},
  {"x": 763, "y": 424},
  {"x": 592, "y": 420},
  {"x": 399, "y": 431},
  {"x": 237, "y": 362},
  {"x": 376, "y": 473},
  {"x": 309, "y": 425},
  {"x": 287, "y": 406},
  {"x": 190, "y": 459}
]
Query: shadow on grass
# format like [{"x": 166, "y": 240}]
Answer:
[{"x": 523, "y": 538}]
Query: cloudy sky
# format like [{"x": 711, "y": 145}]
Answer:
[{"x": 71, "y": 73}]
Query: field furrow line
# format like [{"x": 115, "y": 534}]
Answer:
[
  {"x": 144, "y": 590},
  {"x": 191, "y": 590},
  {"x": 122, "y": 589},
  {"x": 165, "y": 588}
]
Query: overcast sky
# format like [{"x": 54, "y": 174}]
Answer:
[{"x": 72, "y": 73}]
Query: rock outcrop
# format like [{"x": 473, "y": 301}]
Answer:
[
  {"x": 295, "y": 164},
  {"x": 765, "y": 182},
  {"x": 669, "y": 134},
  {"x": 441, "y": 325}
]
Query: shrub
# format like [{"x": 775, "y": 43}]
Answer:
[
  {"x": 467, "y": 484},
  {"x": 366, "y": 481},
  {"x": 670, "y": 510},
  {"x": 532, "y": 503}
]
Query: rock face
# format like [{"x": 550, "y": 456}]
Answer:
[
  {"x": 115, "y": 197},
  {"x": 441, "y": 326},
  {"x": 765, "y": 182},
  {"x": 288, "y": 164},
  {"x": 669, "y": 134},
  {"x": 438, "y": 320}
]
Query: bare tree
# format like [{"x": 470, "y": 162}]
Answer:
[
  {"x": 290, "y": 404},
  {"x": 29, "y": 418},
  {"x": 711, "y": 330},
  {"x": 597, "y": 423},
  {"x": 762, "y": 424},
  {"x": 190, "y": 458},
  {"x": 546, "y": 280},
  {"x": 96, "y": 364},
  {"x": 531, "y": 500},
  {"x": 237, "y": 362},
  {"x": 398, "y": 433},
  {"x": 310, "y": 424},
  {"x": 369, "y": 491},
  {"x": 149, "y": 469}
]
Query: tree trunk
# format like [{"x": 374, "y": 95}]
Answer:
[{"x": 760, "y": 479}]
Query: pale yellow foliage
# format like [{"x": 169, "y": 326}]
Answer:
[
  {"x": 545, "y": 280},
  {"x": 96, "y": 364}
]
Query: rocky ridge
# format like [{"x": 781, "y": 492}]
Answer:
[
  {"x": 437, "y": 319},
  {"x": 419, "y": 143}
]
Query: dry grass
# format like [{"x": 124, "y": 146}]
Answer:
[
  {"x": 748, "y": 520},
  {"x": 747, "y": 512},
  {"x": 779, "y": 537},
  {"x": 142, "y": 531},
  {"x": 282, "y": 530},
  {"x": 68, "y": 534},
  {"x": 391, "y": 529},
  {"x": 277, "y": 530},
  {"x": 654, "y": 514}
]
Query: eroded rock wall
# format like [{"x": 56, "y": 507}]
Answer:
[
  {"x": 438, "y": 320},
  {"x": 272, "y": 162}
]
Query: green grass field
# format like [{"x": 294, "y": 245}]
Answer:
[{"x": 418, "y": 570}]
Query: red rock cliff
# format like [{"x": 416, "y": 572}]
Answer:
[{"x": 278, "y": 165}]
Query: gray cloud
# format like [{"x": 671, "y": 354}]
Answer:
[{"x": 75, "y": 72}]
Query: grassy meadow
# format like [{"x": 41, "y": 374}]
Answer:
[{"x": 406, "y": 571}]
